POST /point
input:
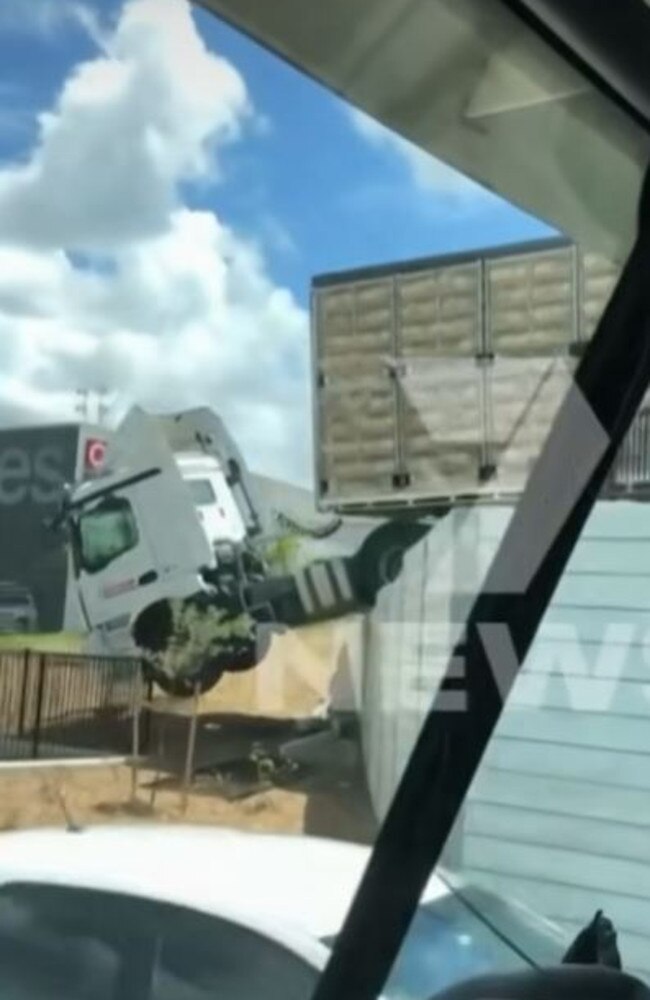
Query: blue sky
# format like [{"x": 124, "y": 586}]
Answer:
[
  {"x": 343, "y": 201},
  {"x": 160, "y": 226},
  {"x": 305, "y": 182}
]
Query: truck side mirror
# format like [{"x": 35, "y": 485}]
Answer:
[{"x": 233, "y": 472}]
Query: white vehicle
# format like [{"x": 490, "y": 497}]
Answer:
[
  {"x": 167, "y": 547},
  {"x": 161, "y": 509},
  {"x": 17, "y": 608},
  {"x": 216, "y": 507},
  {"x": 103, "y": 913}
]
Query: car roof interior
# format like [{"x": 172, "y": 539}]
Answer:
[{"x": 471, "y": 83}]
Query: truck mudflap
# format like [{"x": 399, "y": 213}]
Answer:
[{"x": 227, "y": 627}]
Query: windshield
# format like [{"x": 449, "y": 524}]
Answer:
[
  {"x": 357, "y": 258},
  {"x": 105, "y": 533},
  {"x": 460, "y": 936},
  {"x": 202, "y": 492}
]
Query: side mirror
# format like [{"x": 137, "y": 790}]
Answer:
[
  {"x": 57, "y": 525},
  {"x": 233, "y": 472}
]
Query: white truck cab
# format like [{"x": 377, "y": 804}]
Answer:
[
  {"x": 215, "y": 504},
  {"x": 173, "y": 497},
  {"x": 167, "y": 549}
]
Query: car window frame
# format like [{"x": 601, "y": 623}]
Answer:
[
  {"x": 104, "y": 505},
  {"x": 159, "y": 909}
]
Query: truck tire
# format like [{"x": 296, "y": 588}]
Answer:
[
  {"x": 246, "y": 654},
  {"x": 178, "y": 652},
  {"x": 242, "y": 657}
]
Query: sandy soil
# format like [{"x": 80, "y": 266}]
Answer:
[
  {"x": 83, "y": 795},
  {"x": 260, "y": 707},
  {"x": 293, "y": 679},
  {"x": 91, "y": 795}
]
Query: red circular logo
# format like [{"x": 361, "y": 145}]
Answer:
[{"x": 95, "y": 453}]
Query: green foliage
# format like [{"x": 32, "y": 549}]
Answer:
[
  {"x": 46, "y": 642},
  {"x": 199, "y": 634},
  {"x": 282, "y": 553}
]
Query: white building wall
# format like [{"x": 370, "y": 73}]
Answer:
[{"x": 559, "y": 814}]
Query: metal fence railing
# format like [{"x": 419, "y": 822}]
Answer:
[
  {"x": 57, "y": 705},
  {"x": 632, "y": 466}
]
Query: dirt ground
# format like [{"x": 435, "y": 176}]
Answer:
[{"x": 245, "y": 714}]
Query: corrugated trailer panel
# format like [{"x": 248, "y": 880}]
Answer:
[
  {"x": 525, "y": 395},
  {"x": 438, "y": 336},
  {"x": 440, "y": 382},
  {"x": 355, "y": 328},
  {"x": 531, "y": 303},
  {"x": 531, "y": 324},
  {"x": 439, "y": 312},
  {"x": 358, "y": 421},
  {"x": 441, "y": 423},
  {"x": 597, "y": 279},
  {"x": 357, "y": 409}
]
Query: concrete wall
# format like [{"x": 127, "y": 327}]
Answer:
[{"x": 559, "y": 814}]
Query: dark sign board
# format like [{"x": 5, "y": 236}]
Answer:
[{"x": 35, "y": 462}]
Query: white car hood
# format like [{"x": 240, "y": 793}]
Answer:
[{"x": 300, "y": 882}]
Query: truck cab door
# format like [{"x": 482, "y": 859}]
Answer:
[
  {"x": 114, "y": 564},
  {"x": 137, "y": 540}
]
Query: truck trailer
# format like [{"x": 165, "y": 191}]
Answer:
[{"x": 435, "y": 381}]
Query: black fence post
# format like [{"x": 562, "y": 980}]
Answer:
[
  {"x": 42, "y": 663},
  {"x": 148, "y": 694},
  {"x": 23, "y": 692}
]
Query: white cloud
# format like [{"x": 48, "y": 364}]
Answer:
[
  {"x": 127, "y": 127},
  {"x": 429, "y": 174},
  {"x": 107, "y": 280},
  {"x": 186, "y": 319}
]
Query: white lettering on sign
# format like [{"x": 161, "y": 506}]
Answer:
[{"x": 27, "y": 475}]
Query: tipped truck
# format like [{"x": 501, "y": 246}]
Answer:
[{"x": 167, "y": 553}]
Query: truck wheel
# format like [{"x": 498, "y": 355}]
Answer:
[
  {"x": 241, "y": 657},
  {"x": 191, "y": 642},
  {"x": 245, "y": 654},
  {"x": 153, "y": 627}
]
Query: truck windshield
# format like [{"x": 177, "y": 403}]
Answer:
[
  {"x": 105, "y": 533},
  {"x": 202, "y": 492}
]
